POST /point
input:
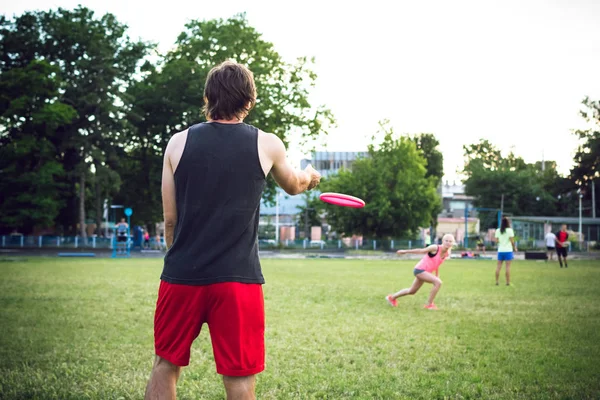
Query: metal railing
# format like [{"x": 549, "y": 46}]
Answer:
[{"x": 381, "y": 245}]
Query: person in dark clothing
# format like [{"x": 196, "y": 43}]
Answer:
[
  {"x": 214, "y": 174},
  {"x": 562, "y": 245}
]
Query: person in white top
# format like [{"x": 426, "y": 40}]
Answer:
[
  {"x": 505, "y": 237},
  {"x": 550, "y": 244}
]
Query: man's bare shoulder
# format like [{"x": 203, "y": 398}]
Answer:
[
  {"x": 179, "y": 136},
  {"x": 268, "y": 136},
  {"x": 176, "y": 141},
  {"x": 270, "y": 142}
]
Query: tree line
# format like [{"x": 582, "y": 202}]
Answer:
[{"x": 86, "y": 112}]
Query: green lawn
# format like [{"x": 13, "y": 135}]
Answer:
[{"x": 82, "y": 329}]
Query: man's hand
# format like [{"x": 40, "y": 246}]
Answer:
[{"x": 315, "y": 176}]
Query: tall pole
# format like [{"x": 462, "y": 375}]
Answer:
[
  {"x": 277, "y": 217},
  {"x": 106, "y": 217},
  {"x": 580, "y": 230},
  {"x": 593, "y": 200},
  {"x": 466, "y": 241},
  {"x": 543, "y": 162},
  {"x": 502, "y": 205},
  {"x": 306, "y": 222}
]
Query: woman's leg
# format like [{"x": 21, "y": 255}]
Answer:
[
  {"x": 416, "y": 285},
  {"x": 437, "y": 284},
  {"x": 498, "y": 268}
]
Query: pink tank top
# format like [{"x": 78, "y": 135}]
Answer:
[{"x": 429, "y": 263}]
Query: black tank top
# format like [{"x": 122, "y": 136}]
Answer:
[{"x": 218, "y": 184}]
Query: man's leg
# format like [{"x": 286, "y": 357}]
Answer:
[
  {"x": 237, "y": 325},
  {"x": 558, "y": 255},
  {"x": 240, "y": 387},
  {"x": 163, "y": 380},
  {"x": 177, "y": 322}
]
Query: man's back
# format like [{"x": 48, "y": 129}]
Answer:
[{"x": 219, "y": 183}]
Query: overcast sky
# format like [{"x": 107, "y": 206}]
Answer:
[{"x": 511, "y": 71}]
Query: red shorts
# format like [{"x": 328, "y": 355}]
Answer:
[{"x": 235, "y": 315}]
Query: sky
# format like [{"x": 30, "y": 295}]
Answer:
[{"x": 512, "y": 71}]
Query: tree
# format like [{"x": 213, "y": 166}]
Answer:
[
  {"x": 93, "y": 63},
  {"x": 30, "y": 114},
  {"x": 169, "y": 98},
  {"x": 587, "y": 157},
  {"x": 392, "y": 181},
  {"x": 524, "y": 189},
  {"x": 428, "y": 144},
  {"x": 484, "y": 155}
]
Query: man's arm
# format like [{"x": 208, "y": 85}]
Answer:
[
  {"x": 168, "y": 198},
  {"x": 290, "y": 179}
]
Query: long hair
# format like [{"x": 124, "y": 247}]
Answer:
[{"x": 505, "y": 224}]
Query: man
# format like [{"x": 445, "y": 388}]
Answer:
[
  {"x": 214, "y": 174},
  {"x": 561, "y": 245},
  {"x": 122, "y": 228},
  {"x": 427, "y": 234},
  {"x": 480, "y": 244},
  {"x": 550, "y": 244}
]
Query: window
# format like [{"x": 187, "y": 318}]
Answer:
[{"x": 457, "y": 205}]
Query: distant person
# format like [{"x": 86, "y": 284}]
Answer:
[
  {"x": 505, "y": 237},
  {"x": 562, "y": 245},
  {"x": 122, "y": 229},
  {"x": 427, "y": 238},
  {"x": 480, "y": 244},
  {"x": 550, "y": 245},
  {"x": 157, "y": 242}
]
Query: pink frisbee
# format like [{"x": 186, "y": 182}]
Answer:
[{"x": 343, "y": 200}]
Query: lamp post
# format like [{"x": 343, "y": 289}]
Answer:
[
  {"x": 580, "y": 229},
  {"x": 277, "y": 217}
]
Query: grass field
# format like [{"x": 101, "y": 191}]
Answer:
[{"x": 82, "y": 329}]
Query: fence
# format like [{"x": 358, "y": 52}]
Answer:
[
  {"x": 343, "y": 244},
  {"x": 94, "y": 242},
  {"x": 63, "y": 242}
]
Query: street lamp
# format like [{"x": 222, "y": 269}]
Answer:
[
  {"x": 277, "y": 217},
  {"x": 580, "y": 229}
]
